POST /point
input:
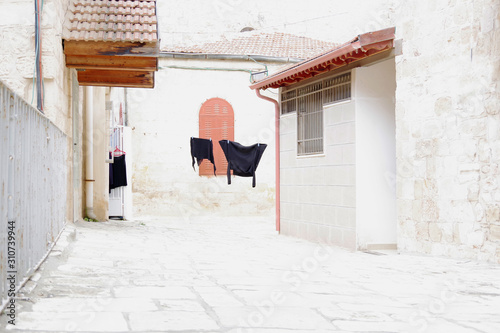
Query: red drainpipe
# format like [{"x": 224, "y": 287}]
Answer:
[{"x": 277, "y": 140}]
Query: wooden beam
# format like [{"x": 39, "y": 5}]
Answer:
[
  {"x": 114, "y": 63},
  {"x": 377, "y": 36},
  {"x": 110, "y": 78},
  {"x": 72, "y": 47}
]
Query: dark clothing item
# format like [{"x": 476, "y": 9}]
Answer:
[
  {"x": 119, "y": 173},
  {"x": 202, "y": 149},
  {"x": 110, "y": 173},
  {"x": 243, "y": 160}
]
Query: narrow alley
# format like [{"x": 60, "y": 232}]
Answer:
[{"x": 237, "y": 275}]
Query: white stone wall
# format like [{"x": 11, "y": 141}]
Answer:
[
  {"x": 194, "y": 21},
  {"x": 17, "y": 66},
  {"x": 164, "y": 119},
  {"x": 447, "y": 119},
  {"x": 17, "y": 56}
]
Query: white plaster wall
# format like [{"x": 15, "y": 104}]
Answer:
[
  {"x": 77, "y": 183},
  {"x": 127, "y": 191},
  {"x": 447, "y": 118},
  {"x": 164, "y": 119},
  {"x": 374, "y": 89},
  {"x": 318, "y": 199}
]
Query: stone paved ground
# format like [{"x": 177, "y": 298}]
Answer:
[{"x": 237, "y": 275}]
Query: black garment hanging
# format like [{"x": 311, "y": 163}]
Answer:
[
  {"x": 202, "y": 149},
  {"x": 243, "y": 160},
  {"x": 119, "y": 172},
  {"x": 110, "y": 173}
]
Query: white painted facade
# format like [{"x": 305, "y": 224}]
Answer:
[
  {"x": 376, "y": 220},
  {"x": 342, "y": 196}
]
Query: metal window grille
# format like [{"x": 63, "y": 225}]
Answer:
[
  {"x": 288, "y": 101},
  {"x": 310, "y": 124},
  {"x": 308, "y": 102},
  {"x": 337, "y": 89}
]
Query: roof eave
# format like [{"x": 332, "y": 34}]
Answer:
[
  {"x": 368, "y": 44},
  {"x": 221, "y": 56}
]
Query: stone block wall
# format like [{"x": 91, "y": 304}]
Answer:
[
  {"x": 17, "y": 67},
  {"x": 17, "y": 56},
  {"x": 448, "y": 128}
]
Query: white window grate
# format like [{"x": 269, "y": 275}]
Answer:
[
  {"x": 288, "y": 101},
  {"x": 337, "y": 89},
  {"x": 308, "y": 101},
  {"x": 310, "y": 124}
]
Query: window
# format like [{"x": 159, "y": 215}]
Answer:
[
  {"x": 216, "y": 123},
  {"x": 308, "y": 102}
]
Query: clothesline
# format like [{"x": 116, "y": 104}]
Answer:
[{"x": 241, "y": 160}]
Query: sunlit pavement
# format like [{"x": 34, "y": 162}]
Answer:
[{"x": 238, "y": 275}]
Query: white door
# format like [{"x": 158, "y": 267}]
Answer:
[{"x": 116, "y": 195}]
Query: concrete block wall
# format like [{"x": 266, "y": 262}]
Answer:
[
  {"x": 447, "y": 120},
  {"x": 318, "y": 195}
]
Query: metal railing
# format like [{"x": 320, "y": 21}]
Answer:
[{"x": 33, "y": 189}]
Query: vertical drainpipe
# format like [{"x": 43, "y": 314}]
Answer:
[
  {"x": 89, "y": 153},
  {"x": 125, "y": 114},
  {"x": 277, "y": 140},
  {"x": 38, "y": 55}
]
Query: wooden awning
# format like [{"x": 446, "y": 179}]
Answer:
[
  {"x": 362, "y": 47},
  {"x": 112, "y": 43}
]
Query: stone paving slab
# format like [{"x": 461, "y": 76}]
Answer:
[
  {"x": 80, "y": 321},
  {"x": 237, "y": 275},
  {"x": 172, "y": 321}
]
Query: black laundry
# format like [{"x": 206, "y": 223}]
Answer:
[
  {"x": 202, "y": 149},
  {"x": 118, "y": 172},
  {"x": 110, "y": 173},
  {"x": 243, "y": 160}
]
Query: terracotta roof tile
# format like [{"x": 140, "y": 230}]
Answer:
[
  {"x": 112, "y": 20},
  {"x": 279, "y": 45}
]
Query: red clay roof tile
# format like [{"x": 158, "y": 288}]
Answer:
[
  {"x": 111, "y": 20},
  {"x": 260, "y": 43}
]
